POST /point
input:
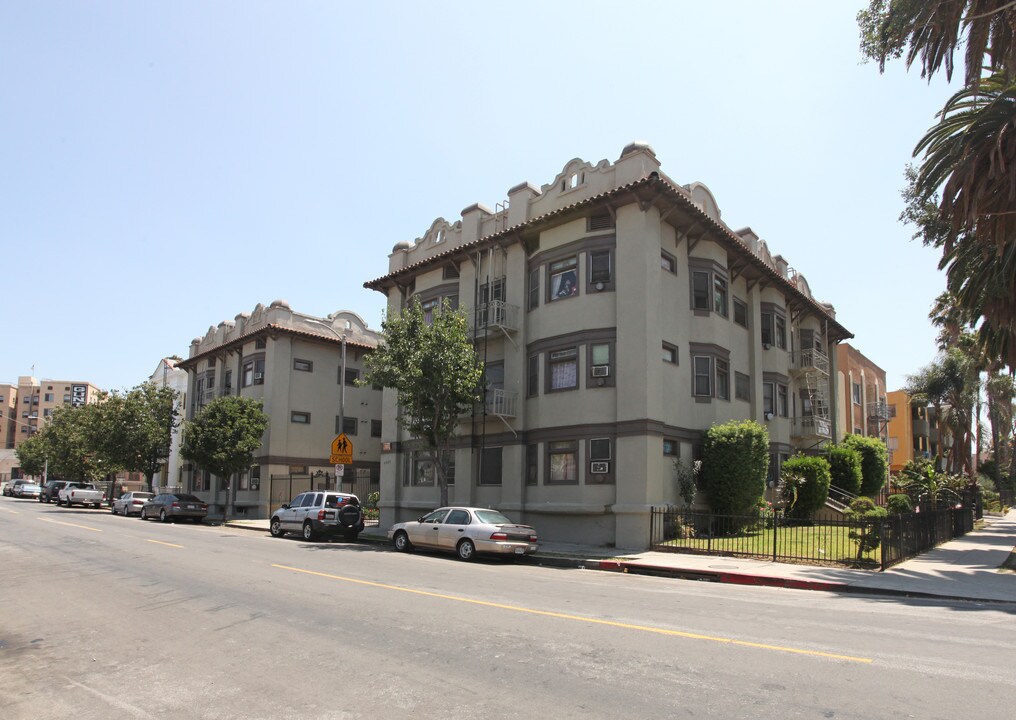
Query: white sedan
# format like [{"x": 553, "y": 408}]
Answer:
[
  {"x": 129, "y": 503},
  {"x": 465, "y": 531}
]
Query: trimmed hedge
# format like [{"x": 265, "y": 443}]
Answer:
[
  {"x": 735, "y": 459},
  {"x": 874, "y": 462},
  {"x": 898, "y": 505},
  {"x": 806, "y": 478},
  {"x": 845, "y": 468}
]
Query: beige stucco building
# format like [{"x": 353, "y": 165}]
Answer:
[
  {"x": 294, "y": 364},
  {"x": 618, "y": 317}
]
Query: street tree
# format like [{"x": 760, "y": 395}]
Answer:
[
  {"x": 435, "y": 371},
  {"x": 135, "y": 428},
  {"x": 965, "y": 175},
  {"x": 31, "y": 454},
  {"x": 224, "y": 437},
  {"x": 69, "y": 441}
]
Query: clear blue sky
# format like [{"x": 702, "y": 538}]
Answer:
[{"x": 167, "y": 165}]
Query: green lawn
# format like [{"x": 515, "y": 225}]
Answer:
[{"x": 816, "y": 543}]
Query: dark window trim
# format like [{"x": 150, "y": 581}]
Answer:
[
  {"x": 609, "y": 285},
  {"x": 673, "y": 262},
  {"x": 308, "y": 363},
  {"x": 606, "y": 478},
  {"x": 675, "y": 352},
  {"x": 735, "y": 302},
  {"x": 598, "y": 382},
  {"x": 295, "y": 413},
  {"x": 549, "y": 363},
  {"x": 546, "y": 462},
  {"x": 550, "y": 274}
]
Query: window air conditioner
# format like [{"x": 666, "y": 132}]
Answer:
[
  {"x": 259, "y": 376},
  {"x": 601, "y": 370},
  {"x": 599, "y": 468}
]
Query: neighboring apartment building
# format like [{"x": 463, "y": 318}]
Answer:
[
  {"x": 168, "y": 374},
  {"x": 913, "y": 431},
  {"x": 618, "y": 317},
  {"x": 8, "y": 415},
  {"x": 39, "y": 399},
  {"x": 305, "y": 370},
  {"x": 861, "y": 391}
]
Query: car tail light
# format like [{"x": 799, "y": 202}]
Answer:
[
  {"x": 532, "y": 538},
  {"x": 203, "y": 506},
  {"x": 176, "y": 505},
  {"x": 320, "y": 514},
  {"x": 499, "y": 536}
]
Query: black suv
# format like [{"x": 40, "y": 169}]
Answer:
[
  {"x": 319, "y": 513},
  {"x": 51, "y": 491}
]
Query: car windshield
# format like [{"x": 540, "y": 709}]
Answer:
[
  {"x": 141, "y": 496},
  {"x": 492, "y": 517},
  {"x": 188, "y": 498}
]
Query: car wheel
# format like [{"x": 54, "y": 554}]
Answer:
[
  {"x": 275, "y": 528},
  {"x": 112, "y": 509},
  {"x": 466, "y": 550},
  {"x": 141, "y": 515},
  {"x": 308, "y": 531},
  {"x": 163, "y": 517},
  {"x": 401, "y": 541}
]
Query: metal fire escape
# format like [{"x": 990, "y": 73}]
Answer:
[{"x": 810, "y": 370}]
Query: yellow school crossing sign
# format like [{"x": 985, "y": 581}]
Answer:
[{"x": 342, "y": 451}]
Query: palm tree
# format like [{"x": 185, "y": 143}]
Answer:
[{"x": 968, "y": 168}]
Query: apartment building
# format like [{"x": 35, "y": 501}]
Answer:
[
  {"x": 169, "y": 375},
  {"x": 913, "y": 431},
  {"x": 8, "y": 415},
  {"x": 864, "y": 408},
  {"x": 39, "y": 399},
  {"x": 618, "y": 317},
  {"x": 305, "y": 370}
]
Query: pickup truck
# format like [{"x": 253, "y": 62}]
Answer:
[{"x": 80, "y": 493}]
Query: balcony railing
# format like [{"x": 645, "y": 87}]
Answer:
[
  {"x": 878, "y": 410},
  {"x": 811, "y": 359},
  {"x": 811, "y": 426},
  {"x": 503, "y": 403},
  {"x": 495, "y": 314}
]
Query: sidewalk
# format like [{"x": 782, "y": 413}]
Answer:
[{"x": 963, "y": 569}]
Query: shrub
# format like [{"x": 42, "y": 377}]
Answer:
[
  {"x": 735, "y": 458},
  {"x": 898, "y": 505},
  {"x": 845, "y": 468},
  {"x": 807, "y": 477},
  {"x": 686, "y": 475},
  {"x": 874, "y": 462},
  {"x": 868, "y": 534}
]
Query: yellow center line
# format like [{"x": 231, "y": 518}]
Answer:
[
  {"x": 159, "y": 542},
  {"x": 60, "y": 522},
  {"x": 579, "y": 618}
]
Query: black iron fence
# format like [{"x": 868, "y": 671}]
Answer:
[
  {"x": 874, "y": 544},
  {"x": 362, "y": 483}
]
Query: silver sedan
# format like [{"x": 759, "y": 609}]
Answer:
[
  {"x": 129, "y": 503},
  {"x": 465, "y": 531}
]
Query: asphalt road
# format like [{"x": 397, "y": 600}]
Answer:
[{"x": 108, "y": 617}]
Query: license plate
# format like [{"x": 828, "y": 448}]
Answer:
[
  {"x": 192, "y": 507},
  {"x": 520, "y": 551}
]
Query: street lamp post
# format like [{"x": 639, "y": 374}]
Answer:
[{"x": 342, "y": 379}]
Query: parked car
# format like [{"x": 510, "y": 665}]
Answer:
[
  {"x": 170, "y": 506},
  {"x": 80, "y": 493},
  {"x": 129, "y": 503},
  {"x": 314, "y": 514},
  {"x": 27, "y": 490},
  {"x": 465, "y": 531},
  {"x": 51, "y": 490},
  {"x": 9, "y": 487}
]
